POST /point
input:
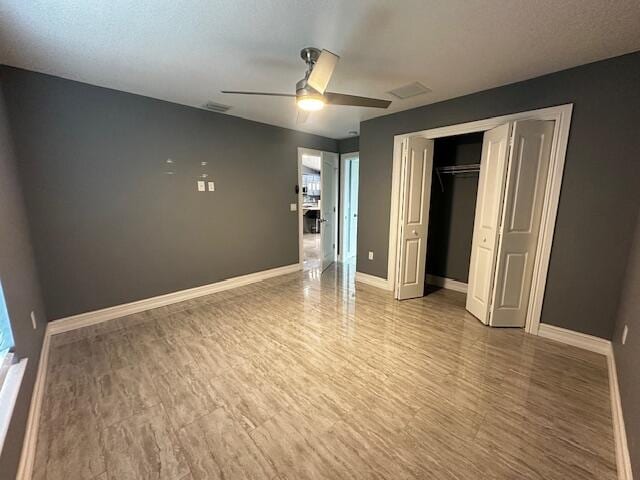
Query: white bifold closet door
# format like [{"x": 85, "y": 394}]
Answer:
[
  {"x": 415, "y": 196},
  {"x": 484, "y": 243},
  {"x": 523, "y": 202},
  {"x": 507, "y": 221}
]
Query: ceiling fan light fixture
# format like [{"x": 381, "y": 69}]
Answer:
[{"x": 311, "y": 103}]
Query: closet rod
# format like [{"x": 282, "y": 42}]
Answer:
[{"x": 455, "y": 170}]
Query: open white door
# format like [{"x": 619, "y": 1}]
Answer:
[
  {"x": 328, "y": 207},
  {"x": 523, "y": 202},
  {"x": 415, "y": 193},
  {"x": 354, "y": 176},
  {"x": 484, "y": 245}
]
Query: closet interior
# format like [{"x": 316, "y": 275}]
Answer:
[{"x": 454, "y": 188}]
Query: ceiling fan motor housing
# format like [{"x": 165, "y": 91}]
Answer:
[{"x": 304, "y": 90}]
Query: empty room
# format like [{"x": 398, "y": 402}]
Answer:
[{"x": 295, "y": 239}]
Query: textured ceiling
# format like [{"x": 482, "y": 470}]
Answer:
[{"x": 187, "y": 51}]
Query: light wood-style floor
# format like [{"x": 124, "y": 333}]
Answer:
[
  {"x": 305, "y": 376},
  {"x": 312, "y": 247}
]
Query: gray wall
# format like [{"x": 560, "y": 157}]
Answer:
[
  {"x": 600, "y": 185},
  {"x": 452, "y": 211},
  {"x": 22, "y": 294},
  {"x": 348, "y": 145},
  {"x": 110, "y": 227},
  {"x": 628, "y": 355}
]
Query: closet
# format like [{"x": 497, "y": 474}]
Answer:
[
  {"x": 454, "y": 188},
  {"x": 436, "y": 194}
]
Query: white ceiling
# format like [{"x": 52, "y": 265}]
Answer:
[{"x": 187, "y": 51}]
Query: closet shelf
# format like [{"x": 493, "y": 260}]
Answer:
[{"x": 456, "y": 170}]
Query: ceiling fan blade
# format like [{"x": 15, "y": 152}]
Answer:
[
  {"x": 322, "y": 71},
  {"x": 354, "y": 101},
  {"x": 235, "y": 92},
  {"x": 303, "y": 116}
]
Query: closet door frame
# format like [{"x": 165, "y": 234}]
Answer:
[{"x": 561, "y": 115}]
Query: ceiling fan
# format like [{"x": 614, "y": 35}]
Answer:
[{"x": 311, "y": 94}]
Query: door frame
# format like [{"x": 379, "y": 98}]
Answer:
[
  {"x": 311, "y": 151},
  {"x": 561, "y": 115},
  {"x": 344, "y": 158}
]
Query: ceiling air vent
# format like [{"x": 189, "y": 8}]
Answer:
[
  {"x": 216, "y": 107},
  {"x": 408, "y": 91}
]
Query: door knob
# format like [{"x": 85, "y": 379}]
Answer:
[
  {"x": 484, "y": 239},
  {"x": 414, "y": 232},
  {"x": 322, "y": 220}
]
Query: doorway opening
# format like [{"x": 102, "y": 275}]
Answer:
[
  {"x": 520, "y": 176},
  {"x": 349, "y": 207},
  {"x": 317, "y": 206},
  {"x": 454, "y": 189}
]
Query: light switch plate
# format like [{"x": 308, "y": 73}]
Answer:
[
  {"x": 212, "y": 186},
  {"x": 370, "y": 255},
  {"x": 201, "y": 186},
  {"x": 293, "y": 207}
]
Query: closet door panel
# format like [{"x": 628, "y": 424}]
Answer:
[
  {"x": 493, "y": 166},
  {"x": 524, "y": 199},
  {"x": 415, "y": 194}
]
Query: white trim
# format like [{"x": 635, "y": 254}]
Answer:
[
  {"x": 447, "y": 283},
  {"x": 373, "y": 281},
  {"x": 344, "y": 158},
  {"x": 98, "y": 316},
  {"x": 9, "y": 395},
  {"x": 561, "y": 115},
  {"x": 577, "y": 339},
  {"x": 604, "y": 347},
  {"x": 623, "y": 461},
  {"x": 27, "y": 458}
]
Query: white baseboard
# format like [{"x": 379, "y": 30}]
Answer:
[
  {"x": 604, "y": 347},
  {"x": 577, "y": 339},
  {"x": 448, "y": 283},
  {"x": 27, "y": 458},
  {"x": 623, "y": 461},
  {"x": 97, "y": 316},
  {"x": 373, "y": 281}
]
